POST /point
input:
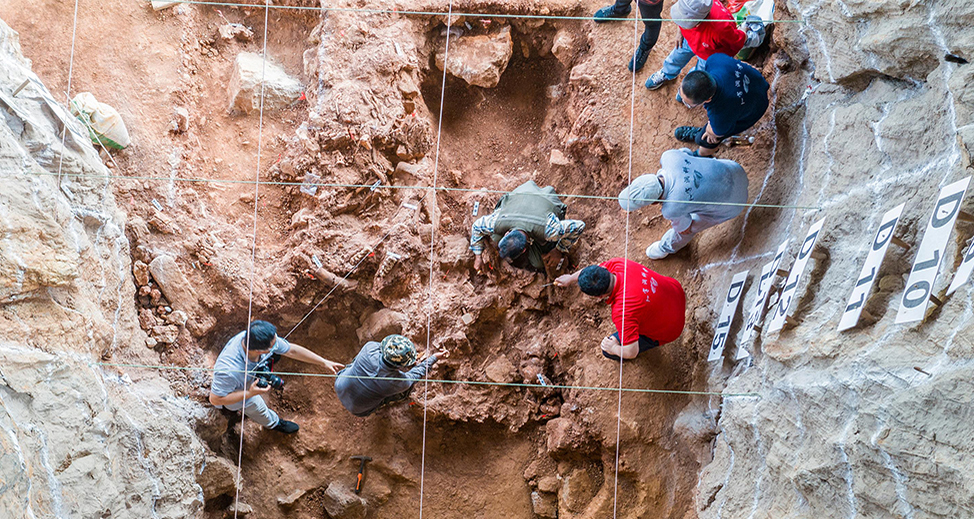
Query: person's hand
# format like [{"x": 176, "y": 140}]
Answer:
[
  {"x": 710, "y": 137},
  {"x": 609, "y": 342},
  {"x": 257, "y": 390},
  {"x": 563, "y": 280},
  {"x": 478, "y": 262},
  {"x": 442, "y": 353},
  {"x": 333, "y": 367}
]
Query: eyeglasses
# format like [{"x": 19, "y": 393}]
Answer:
[{"x": 688, "y": 105}]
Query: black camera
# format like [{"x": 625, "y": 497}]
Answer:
[{"x": 262, "y": 371}]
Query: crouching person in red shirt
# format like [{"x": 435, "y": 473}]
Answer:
[{"x": 647, "y": 308}]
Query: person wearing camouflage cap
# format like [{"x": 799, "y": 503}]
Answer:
[{"x": 382, "y": 373}]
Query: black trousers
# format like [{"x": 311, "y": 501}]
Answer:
[{"x": 647, "y": 9}]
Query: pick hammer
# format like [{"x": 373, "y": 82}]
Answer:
[{"x": 361, "y": 471}]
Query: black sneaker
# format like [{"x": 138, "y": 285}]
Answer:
[
  {"x": 687, "y": 133},
  {"x": 638, "y": 59},
  {"x": 609, "y": 12},
  {"x": 286, "y": 427}
]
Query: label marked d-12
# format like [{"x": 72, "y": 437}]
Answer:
[
  {"x": 727, "y": 315},
  {"x": 930, "y": 255},
  {"x": 791, "y": 286},
  {"x": 866, "y": 279}
]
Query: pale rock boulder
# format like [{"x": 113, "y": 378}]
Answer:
[
  {"x": 180, "y": 293},
  {"x": 379, "y": 324},
  {"x": 84, "y": 441},
  {"x": 501, "y": 370},
  {"x": 873, "y": 421},
  {"x": 342, "y": 503},
  {"x": 246, "y": 86},
  {"x": 76, "y": 439},
  {"x": 479, "y": 60},
  {"x": 563, "y": 46}
]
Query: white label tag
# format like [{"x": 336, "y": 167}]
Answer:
[
  {"x": 727, "y": 314},
  {"x": 964, "y": 272},
  {"x": 930, "y": 255},
  {"x": 864, "y": 283},
  {"x": 757, "y": 306},
  {"x": 791, "y": 286}
]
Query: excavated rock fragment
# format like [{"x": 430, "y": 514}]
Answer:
[
  {"x": 341, "y": 503},
  {"x": 479, "y": 60},
  {"x": 217, "y": 477},
  {"x": 279, "y": 89},
  {"x": 379, "y": 324}
]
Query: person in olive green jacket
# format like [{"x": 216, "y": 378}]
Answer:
[{"x": 526, "y": 224}]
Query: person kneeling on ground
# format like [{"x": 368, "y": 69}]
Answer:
[
  {"x": 234, "y": 378},
  {"x": 705, "y": 38},
  {"x": 647, "y": 308},
  {"x": 528, "y": 225},
  {"x": 382, "y": 373},
  {"x": 684, "y": 185},
  {"x": 735, "y": 95}
]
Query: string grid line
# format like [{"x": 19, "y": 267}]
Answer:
[
  {"x": 253, "y": 265},
  {"x": 434, "y": 380},
  {"x": 404, "y": 187},
  {"x": 407, "y": 12},
  {"x": 429, "y": 313}
]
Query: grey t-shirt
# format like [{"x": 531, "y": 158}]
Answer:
[
  {"x": 700, "y": 179},
  {"x": 228, "y": 373},
  {"x": 360, "y": 395}
]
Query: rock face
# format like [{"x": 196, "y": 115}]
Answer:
[
  {"x": 873, "y": 422},
  {"x": 479, "y": 60},
  {"x": 77, "y": 439},
  {"x": 279, "y": 89}
]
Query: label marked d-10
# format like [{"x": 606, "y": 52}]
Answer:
[{"x": 930, "y": 255}]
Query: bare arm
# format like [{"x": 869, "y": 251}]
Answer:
[
  {"x": 238, "y": 396},
  {"x": 567, "y": 279},
  {"x": 300, "y": 353},
  {"x": 627, "y": 351}
]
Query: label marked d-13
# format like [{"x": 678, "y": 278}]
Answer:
[
  {"x": 791, "y": 286},
  {"x": 727, "y": 315},
  {"x": 930, "y": 255},
  {"x": 866, "y": 279},
  {"x": 757, "y": 307}
]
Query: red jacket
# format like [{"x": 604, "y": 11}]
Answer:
[{"x": 709, "y": 38}]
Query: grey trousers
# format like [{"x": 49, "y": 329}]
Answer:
[
  {"x": 673, "y": 241},
  {"x": 257, "y": 411}
]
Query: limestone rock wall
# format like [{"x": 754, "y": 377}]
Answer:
[
  {"x": 872, "y": 422},
  {"x": 75, "y": 439}
]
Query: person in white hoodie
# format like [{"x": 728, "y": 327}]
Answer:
[{"x": 687, "y": 187}]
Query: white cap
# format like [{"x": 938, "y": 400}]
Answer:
[{"x": 683, "y": 11}]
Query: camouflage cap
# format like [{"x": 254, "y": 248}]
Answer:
[{"x": 398, "y": 351}]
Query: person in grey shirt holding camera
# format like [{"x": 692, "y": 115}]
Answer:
[{"x": 234, "y": 373}]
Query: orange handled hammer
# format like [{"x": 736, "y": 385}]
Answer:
[{"x": 361, "y": 471}]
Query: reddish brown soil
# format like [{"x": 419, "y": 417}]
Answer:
[{"x": 480, "y": 441}]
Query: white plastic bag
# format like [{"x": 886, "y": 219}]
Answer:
[{"x": 104, "y": 123}]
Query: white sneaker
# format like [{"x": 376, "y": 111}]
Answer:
[{"x": 655, "y": 251}]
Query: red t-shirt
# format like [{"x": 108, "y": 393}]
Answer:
[
  {"x": 655, "y": 304},
  {"x": 709, "y": 38}
]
